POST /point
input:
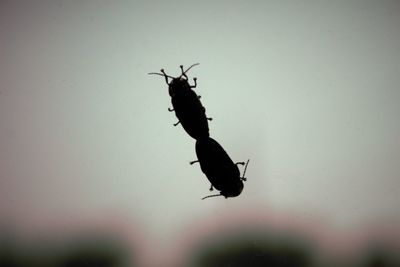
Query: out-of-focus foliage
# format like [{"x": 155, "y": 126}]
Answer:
[
  {"x": 380, "y": 256},
  {"x": 239, "y": 248},
  {"x": 255, "y": 249},
  {"x": 83, "y": 252}
]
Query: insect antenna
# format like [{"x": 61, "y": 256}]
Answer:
[
  {"x": 211, "y": 196},
  {"x": 244, "y": 172},
  {"x": 195, "y": 64},
  {"x": 156, "y": 73}
]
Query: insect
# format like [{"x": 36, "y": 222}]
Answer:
[
  {"x": 221, "y": 171},
  {"x": 186, "y": 103}
]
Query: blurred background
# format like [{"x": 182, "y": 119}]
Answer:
[{"x": 93, "y": 173}]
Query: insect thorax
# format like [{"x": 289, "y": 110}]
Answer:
[{"x": 177, "y": 85}]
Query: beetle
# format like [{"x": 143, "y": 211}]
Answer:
[
  {"x": 221, "y": 171},
  {"x": 186, "y": 103}
]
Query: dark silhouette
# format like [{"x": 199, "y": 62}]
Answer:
[
  {"x": 187, "y": 105},
  {"x": 215, "y": 163},
  {"x": 220, "y": 170}
]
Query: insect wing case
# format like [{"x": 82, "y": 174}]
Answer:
[
  {"x": 220, "y": 170},
  {"x": 191, "y": 113}
]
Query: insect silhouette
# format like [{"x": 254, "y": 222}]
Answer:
[
  {"x": 186, "y": 103},
  {"x": 221, "y": 171}
]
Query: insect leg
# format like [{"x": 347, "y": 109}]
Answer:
[
  {"x": 210, "y": 119},
  {"x": 241, "y": 163},
  {"x": 175, "y": 124},
  {"x": 195, "y": 83},
  {"x": 183, "y": 72},
  {"x": 170, "y": 109},
  {"x": 211, "y": 188},
  {"x": 193, "y": 162},
  {"x": 165, "y": 75},
  {"x": 244, "y": 172}
]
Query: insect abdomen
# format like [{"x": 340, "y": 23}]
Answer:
[{"x": 191, "y": 114}]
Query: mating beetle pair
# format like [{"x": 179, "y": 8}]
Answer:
[{"x": 215, "y": 163}]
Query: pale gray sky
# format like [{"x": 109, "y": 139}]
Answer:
[{"x": 308, "y": 90}]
